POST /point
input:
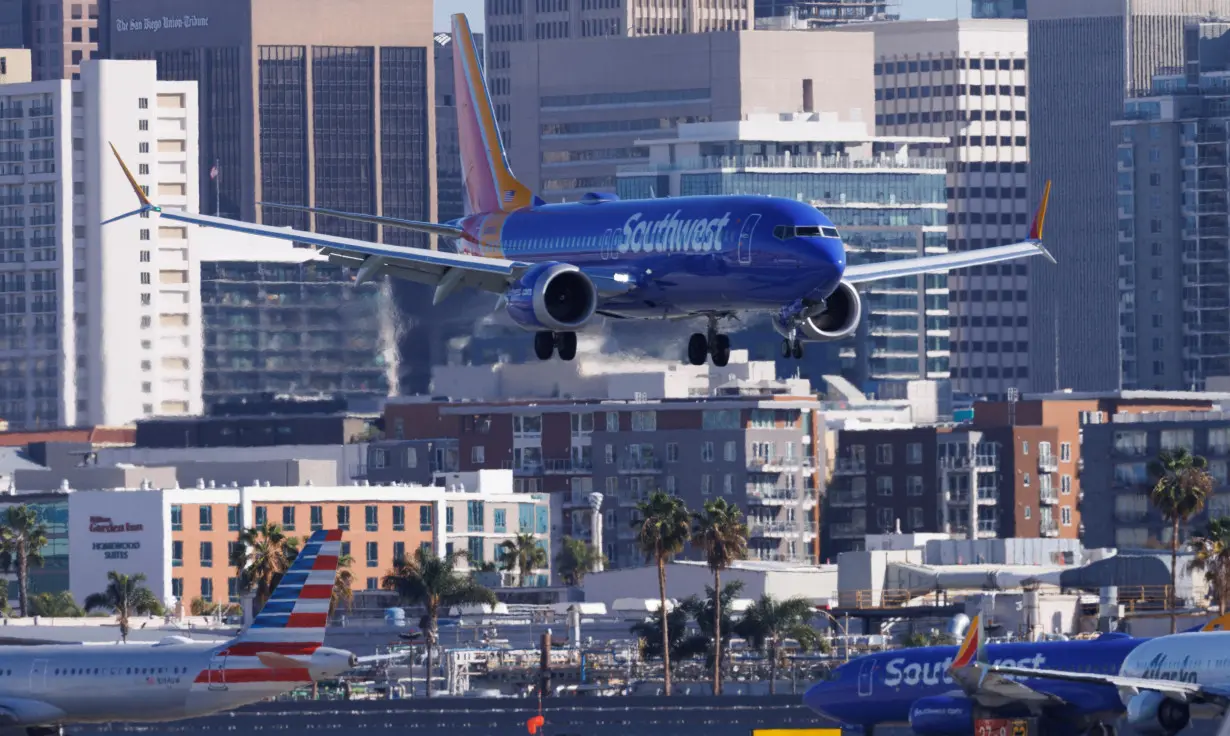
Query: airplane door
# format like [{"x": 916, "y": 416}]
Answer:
[
  {"x": 217, "y": 673},
  {"x": 745, "y": 238},
  {"x": 864, "y": 678},
  {"x": 38, "y": 676}
]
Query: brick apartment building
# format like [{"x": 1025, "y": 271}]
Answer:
[
  {"x": 758, "y": 452},
  {"x": 1023, "y": 460}
]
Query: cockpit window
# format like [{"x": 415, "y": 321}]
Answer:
[{"x": 785, "y": 232}]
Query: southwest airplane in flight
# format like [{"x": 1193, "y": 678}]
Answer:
[
  {"x": 940, "y": 691},
  {"x": 43, "y": 688},
  {"x": 558, "y": 266}
]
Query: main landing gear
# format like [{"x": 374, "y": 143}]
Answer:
[
  {"x": 709, "y": 344},
  {"x": 1101, "y": 729},
  {"x": 792, "y": 348},
  {"x": 548, "y": 343}
]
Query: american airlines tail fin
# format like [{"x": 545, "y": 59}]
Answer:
[
  {"x": 294, "y": 618},
  {"x": 489, "y": 183}
]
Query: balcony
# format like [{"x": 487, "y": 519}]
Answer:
[
  {"x": 848, "y": 530},
  {"x": 579, "y": 499},
  {"x": 1049, "y": 528},
  {"x": 1048, "y": 496},
  {"x": 847, "y": 498},
  {"x": 640, "y": 465},
  {"x": 769, "y": 496},
  {"x": 568, "y": 466},
  {"x": 758, "y": 528},
  {"x": 986, "y": 463},
  {"x": 525, "y": 468},
  {"x": 850, "y": 466},
  {"x": 1048, "y": 463}
]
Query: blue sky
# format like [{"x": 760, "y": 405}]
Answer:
[{"x": 909, "y": 9}]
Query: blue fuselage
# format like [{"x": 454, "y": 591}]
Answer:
[
  {"x": 686, "y": 255},
  {"x": 881, "y": 688}
]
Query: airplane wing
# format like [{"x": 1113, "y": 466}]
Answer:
[
  {"x": 963, "y": 259},
  {"x": 445, "y": 271},
  {"x": 448, "y": 231},
  {"x": 1191, "y": 692}
]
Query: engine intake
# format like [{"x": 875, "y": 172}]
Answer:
[
  {"x": 1154, "y": 713},
  {"x": 842, "y": 311},
  {"x": 558, "y": 297}
]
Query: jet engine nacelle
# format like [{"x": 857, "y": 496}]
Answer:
[
  {"x": 842, "y": 311},
  {"x": 942, "y": 715},
  {"x": 1154, "y": 713},
  {"x": 552, "y": 296},
  {"x": 327, "y": 663}
]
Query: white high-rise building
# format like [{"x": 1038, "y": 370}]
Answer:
[
  {"x": 99, "y": 325},
  {"x": 967, "y": 80}
]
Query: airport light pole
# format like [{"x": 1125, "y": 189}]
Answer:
[{"x": 845, "y": 631}]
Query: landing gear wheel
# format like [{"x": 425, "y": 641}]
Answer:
[
  {"x": 721, "y": 350},
  {"x": 787, "y": 348},
  {"x": 698, "y": 349},
  {"x": 544, "y": 345},
  {"x": 797, "y": 350},
  {"x": 566, "y": 344}
]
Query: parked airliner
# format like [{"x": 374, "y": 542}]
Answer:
[
  {"x": 43, "y": 688},
  {"x": 559, "y": 266},
  {"x": 939, "y": 691},
  {"x": 1161, "y": 682}
]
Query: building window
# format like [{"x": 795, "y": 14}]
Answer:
[
  {"x": 399, "y": 553},
  {"x": 145, "y": 278},
  {"x": 884, "y": 485},
  {"x": 501, "y": 519},
  {"x": 177, "y": 518},
  {"x": 884, "y": 454},
  {"x": 399, "y": 518},
  {"x": 1065, "y": 515},
  {"x": 448, "y": 519},
  {"x": 145, "y": 256},
  {"x": 232, "y": 518},
  {"x": 207, "y": 518},
  {"x": 612, "y": 421},
  {"x": 1024, "y": 447},
  {"x": 207, "y": 554},
  {"x": 371, "y": 518},
  {"x": 177, "y": 553},
  {"x": 476, "y": 550},
  {"x": 207, "y": 590},
  {"x": 142, "y": 125},
  {"x": 232, "y": 590},
  {"x": 706, "y": 484},
  {"x": 317, "y": 521},
  {"x": 706, "y": 452},
  {"x": 177, "y": 587},
  {"x": 478, "y": 455},
  {"x": 730, "y": 452},
  {"x": 914, "y": 453},
  {"x": 261, "y": 516},
  {"x": 1065, "y": 452},
  {"x": 373, "y": 554},
  {"x": 644, "y": 421},
  {"x": 1025, "y": 480},
  {"x": 672, "y": 452},
  {"x": 343, "y": 517},
  {"x": 288, "y": 518},
  {"x": 914, "y": 485},
  {"x": 475, "y": 518},
  {"x": 425, "y": 518},
  {"x": 142, "y": 102}
]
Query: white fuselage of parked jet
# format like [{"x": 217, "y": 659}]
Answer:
[{"x": 173, "y": 679}]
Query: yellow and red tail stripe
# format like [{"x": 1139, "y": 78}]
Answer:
[{"x": 969, "y": 647}]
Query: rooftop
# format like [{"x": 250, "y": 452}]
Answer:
[{"x": 1190, "y": 396}]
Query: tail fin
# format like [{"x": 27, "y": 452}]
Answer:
[
  {"x": 1221, "y": 623},
  {"x": 489, "y": 182},
  {"x": 294, "y": 618},
  {"x": 973, "y": 649},
  {"x": 1035, "y": 229}
]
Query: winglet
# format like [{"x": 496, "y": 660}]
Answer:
[
  {"x": 132, "y": 180},
  {"x": 972, "y": 648},
  {"x": 1035, "y": 230}
]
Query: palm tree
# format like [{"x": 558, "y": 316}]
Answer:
[
  {"x": 433, "y": 582},
  {"x": 719, "y": 531},
  {"x": 523, "y": 554},
  {"x": 576, "y": 559},
  {"x": 1180, "y": 487},
  {"x": 662, "y": 534},
  {"x": 260, "y": 559},
  {"x": 649, "y": 634},
  {"x": 55, "y": 605},
  {"x": 1211, "y": 555},
  {"x": 343, "y": 585},
  {"x": 704, "y": 610},
  {"x": 22, "y": 538},
  {"x": 124, "y": 596},
  {"x": 770, "y": 621}
]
